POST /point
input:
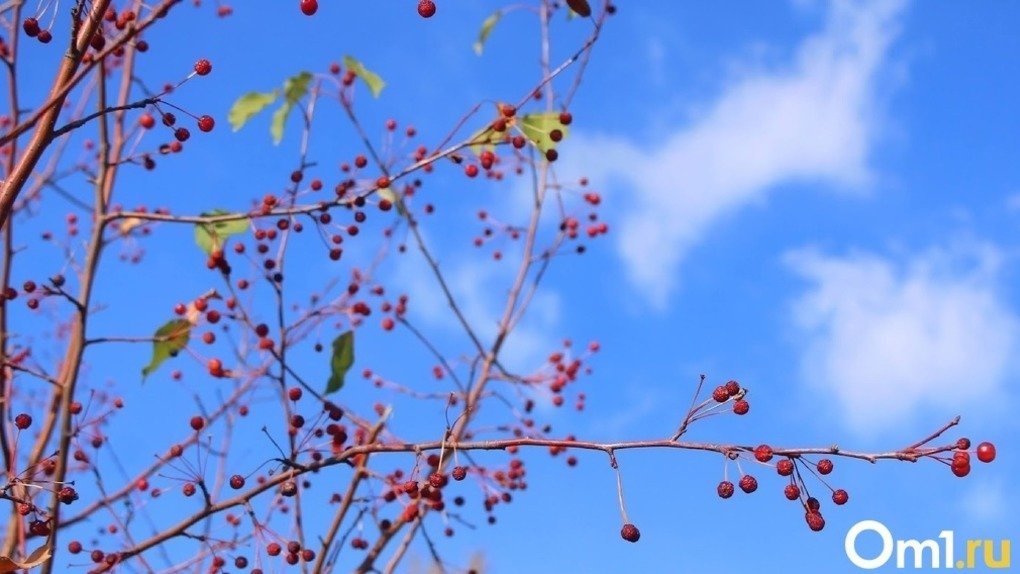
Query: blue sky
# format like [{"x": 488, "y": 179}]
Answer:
[{"x": 819, "y": 199}]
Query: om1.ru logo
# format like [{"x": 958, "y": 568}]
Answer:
[{"x": 941, "y": 553}]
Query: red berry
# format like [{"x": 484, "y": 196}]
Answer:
[
  {"x": 566, "y": 118},
  {"x": 458, "y": 473},
  {"x": 294, "y": 393},
  {"x": 784, "y": 467},
  {"x": 741, "y": 407},
  {"x": 206, "y": 123},
  {"x": 237, "y": 482},
  {"x": 426, "y": 8},
  {"x": 824, "y": 466},
  {"x": 203, "y": 67},
  {"x": 197, "y": 422},
  {"x": 840, "y": 497},
  {"x": 986, "y": 452},
  {"x": 630, "y": 533},
  {"x": 182, "y": 134},
  {"x": 188, "y": 489},
  {"x": 814, "y": 520},
  {"x": 792, "y": 491},
  {"x": 961, "y": 470},
  {"x": 732, "y": 387},
  {"x": 725, "y": 489},
  {"x": 748, "y": 483},
  {"x": 383, "y": 182},
  {"x": 31, "y": 27},
  {"x": 309, "y": 7},
  {"x": 471, "y": 170},
  {"x": 23, "y": 421},
  {"x": 963, "y": 443},
  {"x": 763, "y": 453},
  {"x": 720, "y": 395},
  {"x": 813, "y": 504},
  {"x": 147, "y": 121},
  {"x": 67, "y": 495},
  {"x": 273, "y": 549}
]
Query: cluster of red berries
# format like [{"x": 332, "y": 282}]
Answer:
[
  {"x": 33, "y": 30},
  {"x": 294, "y": 552},
  {"x": 960, "y": 463}
]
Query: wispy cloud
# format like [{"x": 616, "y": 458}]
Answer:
[
  {"x": 811, "y": 119},
  {"x": 883, "y": 338},
  {"x": 479, "y": 286}
]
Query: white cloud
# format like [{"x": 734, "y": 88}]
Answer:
[
  {"x": 814, "y": 119},
  {"x": 883, "y": 339}
]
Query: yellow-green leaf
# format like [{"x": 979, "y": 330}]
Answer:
[
  {"x": 294, "y": 88},
  {"x": 537, "y": 127},
  {"x": 247, "y": 106},
  {"x": 374, "y": 82},
  {"x": 279, "y": 119},
  {"x": 210, "y": 236},
  {"x": 485, "y": 139},
  {"x": 341, "y": 361},
  {"x": 487, "y": 26},
  {"x": 167, "y": 342}
]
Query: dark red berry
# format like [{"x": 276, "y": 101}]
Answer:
[
  {"x": 31, "y": 27},
  {"x": 720, "y": 395},
  {"x": 725, "y": 489},
  {"x": 237, "y": 482},
  {"x": 182, "y": 134},
  {"x": 792, "y": 491},
  {"x": 426, "y": 8},
  {"x": 824, "y": 466},
  {"x": 459, "y": 472},
  {"x": 630, "y": 533},
  {"x": 203, "y": 67},
  {"x": 840, "y": 497},
  {"x": 67, "y": 495},
  {"x": 784, "y": 467},
  {"x": 23, "y": 421},
  {"x": 748, "y": 483},
  {"x": 206, "y": 123},
  {"x": 309, "y": 7},
  {"x": 814, "y": 520},
  {"x": 741, "y": 407},
  {"x": 763, "y": 453}
]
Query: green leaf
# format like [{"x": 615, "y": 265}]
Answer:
[
  {"x": 537, "y": 127},
  {"x": 341, "y": 361},
  {"x": 210, "y": 236},
  {"x": 487, "y": 26},
  {"x": 375, "y": 83},
  {"x": 167, "y": 342},
  {"x": 294, "y": 88},
  {"x": 247, "y": 106}
]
